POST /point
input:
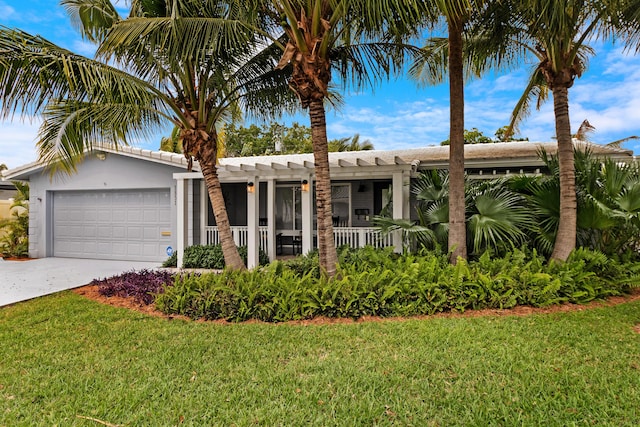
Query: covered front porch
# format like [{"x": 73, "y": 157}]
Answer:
[{"x": 271, "y": 204}]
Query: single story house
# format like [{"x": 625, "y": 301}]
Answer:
[{"x": 136, "y": 204}]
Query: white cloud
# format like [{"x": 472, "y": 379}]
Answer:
[
  {"x": 85, "y": 48},
  {"x": 6, "y": 11},
  {"x": 18, "y": 144}
]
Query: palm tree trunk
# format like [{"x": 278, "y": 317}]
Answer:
[
  {"x": 457, "y": 225},
  {"x": 206, "y": 156},
  {"x": 566, "y": 236},
  {"x": 326, "y": 243}
]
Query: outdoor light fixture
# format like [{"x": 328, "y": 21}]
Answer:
[
  {"x": 250, "y": 187},
  {"x": 304, "y": 186}
]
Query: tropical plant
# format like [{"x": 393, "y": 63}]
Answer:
[
  {"x": 353, "y": 40},
  {"x": 448, "y": 54},
  {"x": 189, "y": 63},
  {"x": 608, "y": 214},
  {"x": 496, "y": 217},
  {"x": 15, "y": 240},
  {"x": 556, "y": 35},
  {"x": 172, "y": 143},
  {"x": 350, "y": 144}
]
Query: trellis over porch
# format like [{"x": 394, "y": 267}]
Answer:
[
  {"x": 258, "y": 177},
  {"x": 395, "y": 167}
]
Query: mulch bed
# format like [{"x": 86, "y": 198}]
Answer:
[{"x": 91, "y": 292}]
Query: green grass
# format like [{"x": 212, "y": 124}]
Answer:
[{"x": 64, "y": 356}]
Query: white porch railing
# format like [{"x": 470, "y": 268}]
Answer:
[
  {"x": 356, "y": 237},
  {"x": 240, "y": 235}
]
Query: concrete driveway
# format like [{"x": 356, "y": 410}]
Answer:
[{"x": 23, "y": 280}]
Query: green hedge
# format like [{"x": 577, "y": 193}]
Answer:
[
  {"x": 379, "y": 283},
  {"x": 210, "y": 257}
]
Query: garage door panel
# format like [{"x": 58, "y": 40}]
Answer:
[
  {"x": 124, "y": 225},
  {"x": 104, "y": 232},
  {"x": 89, "y": 231},
  {"x": 119, "y": 232},
  {"x": 118, "y": 215},
  {"x": 105, "y": 215},
  {"x": 150, "y": 215}
]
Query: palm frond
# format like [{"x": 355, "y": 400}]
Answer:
[
  {"x": 537, "y": 90},
  {"x": 35, "y": 72},
  {"x": 70, "y": 128},
  {"x": 92, "y": 18}
]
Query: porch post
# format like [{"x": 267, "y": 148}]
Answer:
[
  {"x": 181, "y": 208},
  {"x": 400, "y": 203},
  {"x": 204, "y": 204},
  {"x": 271, "y": 219},
  {"x": 307, "y": 213},
  {"x": 253, "y": 215},
  {"x": 190, "y": 222}
]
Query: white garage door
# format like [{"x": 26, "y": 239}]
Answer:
[{"x": 122, "y": 225}]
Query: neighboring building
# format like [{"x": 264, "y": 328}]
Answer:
[
  {"x": 7, "y": 193},
  {"x": 140, "y": 205}
]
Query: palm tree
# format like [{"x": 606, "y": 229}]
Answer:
[
  {"x": 188, "y": 64},
  {"x": 349, "y": 39},
  {"x": 608, "y": 200},
  {"x": 350, "y": 144},
  {"x": 449, "y": 54},
  {"x": 556, "y": 34},
  {"x": 172, "y": 143}
]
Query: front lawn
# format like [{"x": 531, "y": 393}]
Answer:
[{"x": 66, "y": 359}]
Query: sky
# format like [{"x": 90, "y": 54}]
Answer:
[{"x": 396, "y": 114}]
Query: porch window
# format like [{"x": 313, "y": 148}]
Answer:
[
  {"x": 288, "y": 208},
  {"x": 341, "y": 204}
]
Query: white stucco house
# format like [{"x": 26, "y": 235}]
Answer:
[{"x": 137, "y": 204}]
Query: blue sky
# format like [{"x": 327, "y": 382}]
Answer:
[{"x": 397, "y": 114}]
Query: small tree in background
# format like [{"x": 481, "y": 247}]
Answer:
[{"x": 15, "y": 241}]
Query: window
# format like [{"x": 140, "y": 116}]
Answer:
[
  {"x": 341, "y": 204},
  {"x": 289, "y": 206}
]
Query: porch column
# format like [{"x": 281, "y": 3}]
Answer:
[
  {"x": 253, "y": 217},
  {"x": 400, "y": 203},
  {"x": 271, "y": 219},
  {"x": 190, "y": 222},
  {"x": 204, "y": 204},
  {"x": 307, "y": 213},
  {"x": 181, "y": 208}
]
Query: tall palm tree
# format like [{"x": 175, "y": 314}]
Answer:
[
  {"x": 449, "y": 54},
  {"x": 192, "y": 64},
  {"x": 350, "y": 39},
  {"x": 556, "y": 34}
]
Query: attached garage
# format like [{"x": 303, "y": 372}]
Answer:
[
  {"x": 118, "y": 205},
  {"x": 118, "y": 225}
]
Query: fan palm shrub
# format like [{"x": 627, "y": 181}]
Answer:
[
  {"x": 496, "y": 217},
  {"x": 608, "y": 199}
]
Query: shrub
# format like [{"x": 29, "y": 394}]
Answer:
[
  {"x": 209, "y": 257},
  {"x": 379, "y": 283},
  {"x": 141, "y": 285}
]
